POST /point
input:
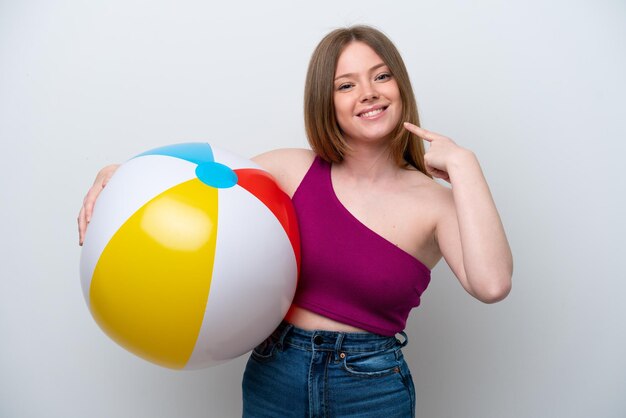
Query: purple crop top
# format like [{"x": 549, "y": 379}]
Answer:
[{"x": 349, "y": 273}]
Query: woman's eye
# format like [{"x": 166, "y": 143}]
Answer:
[
  {"x": 344, "y": 86},
  {"x": 383, "y": 77}
]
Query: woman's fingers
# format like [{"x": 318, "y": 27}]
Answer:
[
  {"x": 90, "y": 200},
  {"x": 84, "y": 216},
  {"x": 440, "y": 174},
  {"x": 417, "y": 130},
  {"x": 423, "y": 133},
  {"x": 439, "y": 151},
  {"x": 81, "y": 225}
]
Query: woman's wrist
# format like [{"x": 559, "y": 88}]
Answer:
[{"x": 462, "y": 160}]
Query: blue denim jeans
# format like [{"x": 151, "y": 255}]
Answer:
[{"x": 323, "y": 374}]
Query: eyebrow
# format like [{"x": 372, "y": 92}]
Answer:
[{"x": 382, "y": 64}]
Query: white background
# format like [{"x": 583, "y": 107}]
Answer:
[{"x": 535, "y": 88}]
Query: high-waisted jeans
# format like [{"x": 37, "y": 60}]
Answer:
[{"x": 315, "y": 374}]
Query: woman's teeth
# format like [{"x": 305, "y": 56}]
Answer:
[{"x": 371, "y": 113}]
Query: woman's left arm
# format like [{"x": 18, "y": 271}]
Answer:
[{"x": 470, "y": 233}]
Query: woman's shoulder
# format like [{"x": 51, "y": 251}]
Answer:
[
  {"x": 284, "y": 156},
  {"x": 287, "y": 165},
  {"x": 429, "y": 191}
]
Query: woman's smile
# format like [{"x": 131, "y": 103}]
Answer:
[{"x": 372, "y": 113}]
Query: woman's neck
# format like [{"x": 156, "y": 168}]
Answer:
[{"x": 368, "y": 164}]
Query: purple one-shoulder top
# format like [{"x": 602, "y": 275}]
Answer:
[{"x": 349, "y": 273}]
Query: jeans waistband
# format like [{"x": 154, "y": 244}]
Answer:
[{"x": 321, "y": 340}]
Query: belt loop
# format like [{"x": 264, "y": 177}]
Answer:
[
  {"x": 283, "y": 334},
  {"x": 338, "y": 344},
  {"x": 406, "y": 339}
]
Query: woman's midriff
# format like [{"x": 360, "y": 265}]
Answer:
[{"x": 305, "y": 319}]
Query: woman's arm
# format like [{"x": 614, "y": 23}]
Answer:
[
  {"x": 287, "y": 166},
  {"x": 469, "y": 232}
]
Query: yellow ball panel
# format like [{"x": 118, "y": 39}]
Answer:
[{"x": 151, "y": 284}]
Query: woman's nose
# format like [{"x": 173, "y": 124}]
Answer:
[{"x": 369, "y": 93}]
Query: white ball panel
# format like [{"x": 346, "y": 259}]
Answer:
[
  {"x": 254, "y": 279},
  {"x": 232, "y": 160}
]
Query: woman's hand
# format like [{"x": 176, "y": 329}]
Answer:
[
  {"x": 441, "y": 154},
  {"x": 84, "y": 216}
]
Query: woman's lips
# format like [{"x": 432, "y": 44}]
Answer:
[{"x": 372, "y": 113}]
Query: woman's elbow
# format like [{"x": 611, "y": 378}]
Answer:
[
  {"x": 495, "y": 289},
  {"x": 496, "y": 294}
]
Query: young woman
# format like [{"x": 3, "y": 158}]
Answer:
[{"x": 373, "y": 223}]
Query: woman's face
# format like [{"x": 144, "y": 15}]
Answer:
[{"x": 366, "y": 96}]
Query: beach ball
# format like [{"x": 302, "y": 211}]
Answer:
[{"x": 191, "y": 256}]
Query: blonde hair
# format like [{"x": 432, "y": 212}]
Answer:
[{"x": 322, "y": 128}]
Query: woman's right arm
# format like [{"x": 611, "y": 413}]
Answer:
[
  {"x": 84, "y": 216},
  {"x": 287, "y": 166}
]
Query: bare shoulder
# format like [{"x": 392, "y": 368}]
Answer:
[
  {"x": 431, "y": 197},
  {"x": 437, "y": 210},
  {"x": 419, "y": 204},
  {"x": 416, "y": 179},
  {"x": 284, "y": 157},
  {"x": 287, "y": 165}
]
